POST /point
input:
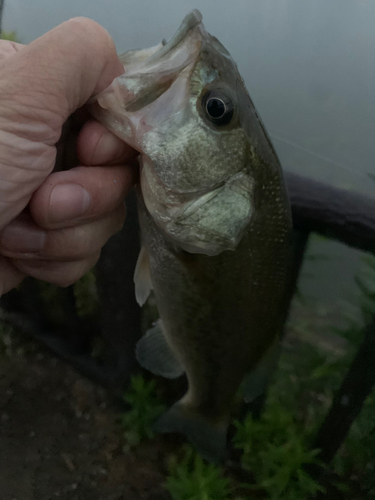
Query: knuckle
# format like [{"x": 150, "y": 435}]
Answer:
[
  {"x": 62, "y": 274},
  {"x": 72, "y": 244},
  {"x": 83, "y": 244}
]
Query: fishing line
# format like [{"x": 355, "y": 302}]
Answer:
[{"x": 366, "y": 175}]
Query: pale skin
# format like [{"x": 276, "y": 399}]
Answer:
[{"x": 53, "y": 224}]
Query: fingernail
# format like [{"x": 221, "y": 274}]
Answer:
[
  {"x": 19, "y": 237},
  {"x": 68, "y": 201}
]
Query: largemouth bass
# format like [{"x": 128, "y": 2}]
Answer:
[{"x": 215, "y": 222}]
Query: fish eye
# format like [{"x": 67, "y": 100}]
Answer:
[{"x": 217, "y": 107}]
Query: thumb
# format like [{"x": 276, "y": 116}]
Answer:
[{"x": 40, "y": 87}]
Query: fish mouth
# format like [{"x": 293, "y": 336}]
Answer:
[
  {"x": 192, "y": 20},
  {"x": 127, "y": 106}
]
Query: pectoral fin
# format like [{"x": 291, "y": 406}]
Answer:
[
  {"x": 154, "y": 354},
  {"x": 255, "y": 382},
  {"x": 142, "y": 277}
]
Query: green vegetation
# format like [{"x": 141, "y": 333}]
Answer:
[
  {"x": 9, "y": 35},
  {"x": 275, "y": 452},
  {"x": 144, "y": 409},
  {"x": 194, "y": 479},
  {"x": 54, "y": 298}
]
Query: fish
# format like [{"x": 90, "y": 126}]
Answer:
[{"x": 215, "y": 225}]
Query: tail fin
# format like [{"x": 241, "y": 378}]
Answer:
[{"x": 209, "y": 439}]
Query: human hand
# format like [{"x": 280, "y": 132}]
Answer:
[{"x": 53, "y": 224}]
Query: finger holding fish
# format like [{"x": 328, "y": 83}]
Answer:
[{"x": 96, "y": 145}]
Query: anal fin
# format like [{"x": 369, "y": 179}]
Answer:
[{"x": 154, "y": 354}]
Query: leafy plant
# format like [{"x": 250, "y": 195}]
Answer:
[
  {"x": 194, "y": 479},
  {"x": 275, "y": 452},
  {"x": 145, "y": 407}
]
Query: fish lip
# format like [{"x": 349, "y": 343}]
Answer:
[
  {"x": 190, "y": 21},
  {"x": 161, "y": 80},
  {"x": 159, "y": 72}
]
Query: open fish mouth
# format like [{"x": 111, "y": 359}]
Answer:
[{"x": 149, "y": 75}]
